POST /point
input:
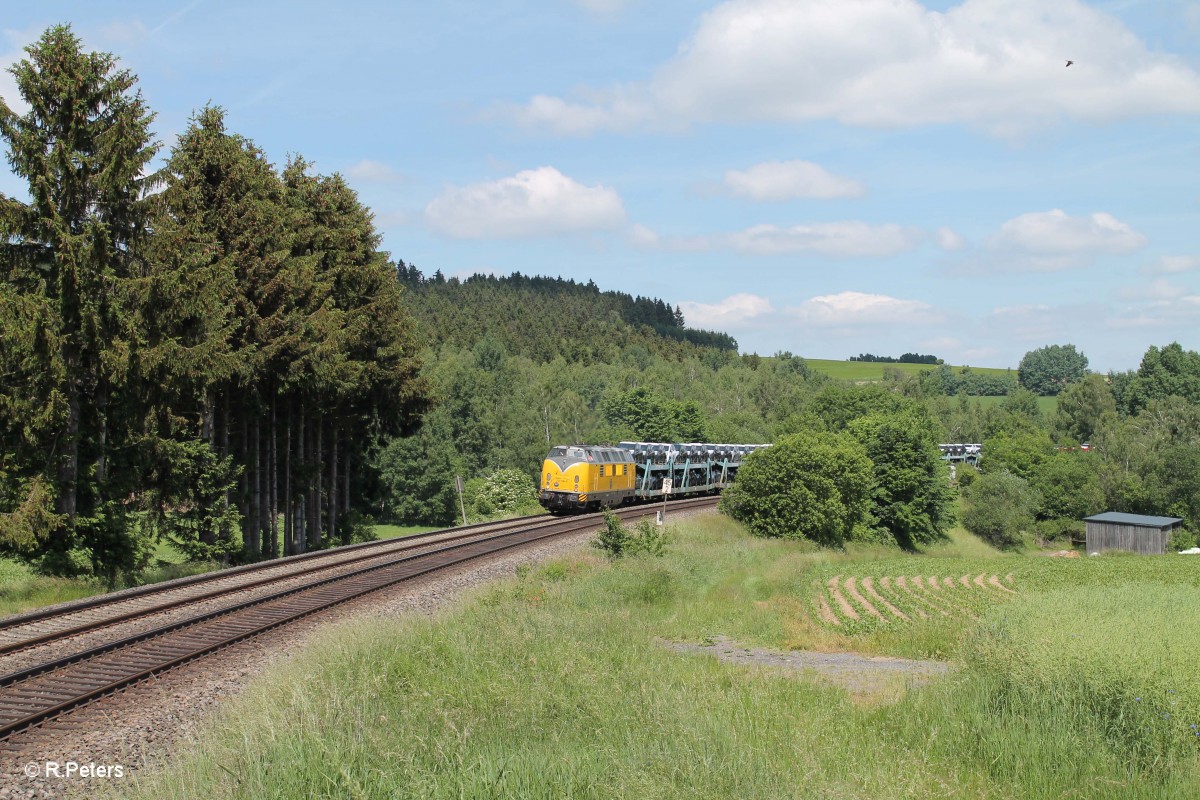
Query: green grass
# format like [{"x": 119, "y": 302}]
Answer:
[
  {"x": 1047, "y": 405},
  {"x": 872, "y": 371},
  {"x": 22, "y": 589},
  {"x": 396, "y": 531},
  {"x": 555, "y": 684}
]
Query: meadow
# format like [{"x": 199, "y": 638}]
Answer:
[
  {"x": 873, "y": 371},
  {"x": 1046, "y": 405},
  {"x": 1072, "y": 681}
]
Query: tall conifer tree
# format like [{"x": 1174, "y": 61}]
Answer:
[{"x": 83, "y": 147}]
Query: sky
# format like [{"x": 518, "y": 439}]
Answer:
[{"x": 824, "y": 177}]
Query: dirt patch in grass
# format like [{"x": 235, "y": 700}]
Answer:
[{"x": 870, "y": 680}]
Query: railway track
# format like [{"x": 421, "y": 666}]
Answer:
[{"x": 188, "y": 619}]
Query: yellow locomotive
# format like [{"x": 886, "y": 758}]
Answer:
[{"x": 586, "y": 477}]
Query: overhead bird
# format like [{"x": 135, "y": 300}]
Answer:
[{"x": 1069, "y": 63}]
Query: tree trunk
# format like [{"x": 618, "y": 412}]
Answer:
[
  {"x": 68, "y": 469},
  {"x": 102, "y": 436},
  {"x": 273, "y": 487},
  {"x": 315, "y": 514},
  {"x": 256, "y": 498},
  {"x": 288, "y": 527},
  {"x": 299, "y": 531},
  {"x": 346, "y": 497},
  {"x": 333, "y": 492},
  {"x": 227, "y": 533}
]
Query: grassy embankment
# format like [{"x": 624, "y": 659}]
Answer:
[
  {"x": 22, "y": 589},
  {"x": 556, "y": 684}
]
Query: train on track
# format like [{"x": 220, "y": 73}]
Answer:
[{"x": 580, "y": 478}]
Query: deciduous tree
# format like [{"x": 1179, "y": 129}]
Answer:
[
  {"x": 807, "y": 486},
  {"x": 1048, "y": 370}
]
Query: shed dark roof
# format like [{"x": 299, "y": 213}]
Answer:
[{"x": 1139, "y": 520}]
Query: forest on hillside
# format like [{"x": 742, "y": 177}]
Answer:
[{"x": 544, "y": 317}]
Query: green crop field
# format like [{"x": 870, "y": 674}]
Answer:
[{"x": 873, "y": 370}]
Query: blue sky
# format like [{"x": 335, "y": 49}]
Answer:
[{"x": 821, "y": 176}]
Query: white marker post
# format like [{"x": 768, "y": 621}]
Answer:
[
  {"x": 458, "y": 485},
  {"x": 666, "y": 491}
]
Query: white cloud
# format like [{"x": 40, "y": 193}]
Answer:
[
  {"x": 644, "y": 237},
  {"x": 948, "y": 239},
  {"x": 994, "y": 64},
  {"x": 848, "y": 239},
  {"x": 1056, "y": 233},
  {"x": 776, "y": 181},
  {"x": 840, "y": 239},
  {"x": 733, "y": 311},
  {"x": 1158, "y": 289},
  {"x": 1172, "y": 265},
  {"x": 1049, "y": 241},
  {"x": 1173, "y": 314},
  {"x": 852, "y": 309},
  {"x": 369, "y": 171},
  {"x": 535, "y": 202}
]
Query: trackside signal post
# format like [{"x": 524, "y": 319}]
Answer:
[
  {"x": 662, "y": 515},
  {"x": 458, "y": 485}
]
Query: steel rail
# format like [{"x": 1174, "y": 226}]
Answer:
[
  {"x": 378, "y": 549},
  {"x": 86, "y": 603},
  {"x": 47, "y": 690}
]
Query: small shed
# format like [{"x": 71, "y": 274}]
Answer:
[{"x": 1138, "y": 533}]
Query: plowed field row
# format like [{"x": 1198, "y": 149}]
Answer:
[{"x": 855, "y": 600}]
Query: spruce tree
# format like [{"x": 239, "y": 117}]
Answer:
[{"x": 83, "y": 147}]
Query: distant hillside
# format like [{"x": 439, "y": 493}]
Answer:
[{"x": 543, "y": 318}]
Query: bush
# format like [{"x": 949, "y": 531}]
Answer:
[
  {"x": 1000, "y": 508},
  {"x": 965, "y": 474},
  {"x": 616, "y": 540},
  {"x": 613, "y": 538},
  {"x": 1064, "y": 530},
  {"x": 502, "y": 492},
  {"x": 1181, "y": 539}
]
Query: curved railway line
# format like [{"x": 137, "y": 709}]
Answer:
[{"x": 105, "y": 644}]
